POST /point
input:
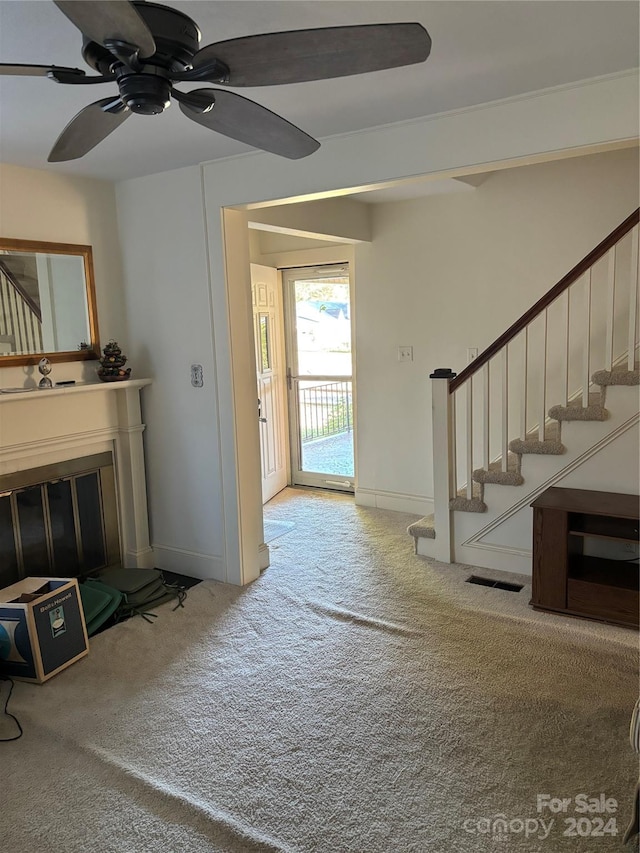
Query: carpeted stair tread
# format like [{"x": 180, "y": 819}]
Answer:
[
  {"x": 619, "y": 375},
  {"x": 423, "y": 528},
  {"x": 575, "y": 411},
  {"x": 551, "y": 446},
  {"x": 495, "y": 474},
  {"x": 461, "y": 503}
]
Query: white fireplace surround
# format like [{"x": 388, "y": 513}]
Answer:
[{"x": 42, "y": 427}]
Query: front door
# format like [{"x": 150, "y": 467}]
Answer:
[
  {"x": 271, "y": 396},
  {"x": 319, "y": 376}
]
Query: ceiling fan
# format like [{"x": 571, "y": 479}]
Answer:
[{"x": 146, "y": 47}]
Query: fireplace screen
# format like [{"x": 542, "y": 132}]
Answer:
[{"x": 59, "y": 521}]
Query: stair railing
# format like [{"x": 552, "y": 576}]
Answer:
[
  {"x": 595, "y": 305},
  {"x": 20, "y": 316}
]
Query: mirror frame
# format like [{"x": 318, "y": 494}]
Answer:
[{"x": 93, "y": 350}]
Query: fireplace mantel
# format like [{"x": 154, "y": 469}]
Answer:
[
  {"x": 77, "y": 388},
  {"x": 49, "y": 426}
]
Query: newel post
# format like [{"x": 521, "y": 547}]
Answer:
[{"x": 443, "y": 461}]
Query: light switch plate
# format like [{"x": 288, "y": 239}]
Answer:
[{"x": 405, "y": 353}]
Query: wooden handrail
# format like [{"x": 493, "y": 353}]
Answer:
[{"x": 546, "y": 300}]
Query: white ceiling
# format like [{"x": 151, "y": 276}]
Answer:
[{"x": 482, "y": 51}]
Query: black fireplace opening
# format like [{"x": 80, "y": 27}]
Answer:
[{"x": 59, "y": 521}]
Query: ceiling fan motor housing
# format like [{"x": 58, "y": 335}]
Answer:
[{"x": 145, "y": 94}]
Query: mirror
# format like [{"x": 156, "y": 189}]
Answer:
[{"x": 47, "y": 302}]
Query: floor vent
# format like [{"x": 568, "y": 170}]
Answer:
[{"x": 510, "y": 587}]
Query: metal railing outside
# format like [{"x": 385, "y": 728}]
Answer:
[{"x": 325, "y": 410}]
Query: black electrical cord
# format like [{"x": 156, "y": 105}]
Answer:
[{"x": 8, "y": 713}]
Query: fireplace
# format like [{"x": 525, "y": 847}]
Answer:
[
  {"x": 59, "y": 520},
  {"x": 72, "y": 481}
]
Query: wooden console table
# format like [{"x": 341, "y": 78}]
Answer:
[{"x": 573, "y": 573}]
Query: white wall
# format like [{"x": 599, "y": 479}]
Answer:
[
  {"x": 449, "y": 272},
  {"x": 168, "y": 305},
  {"x": 67, "y": 301},
  {"x": 39, "y": 205}
]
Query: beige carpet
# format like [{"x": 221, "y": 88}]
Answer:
[{"x": 355, "y": 698}]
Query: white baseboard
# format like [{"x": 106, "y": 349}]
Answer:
[
  {"x": 426, "y": 547},
  {"x": 396, "y": 501},
  {"x": 484, "y": 556},
  {"x": 190, "y": 563},
  {"x": 263, "y": 557},
  {"x": 495, "y": 557},
  {"x": 144, "y": 559}
]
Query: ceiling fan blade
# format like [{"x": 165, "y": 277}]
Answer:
[
  {"x": 109, "y": 20},
  {"x": 297, "y": 56},
  {"x": 89, "y": 127},
  {"x": 244, "y": 120},
  {"x": 37, "y": 70}
]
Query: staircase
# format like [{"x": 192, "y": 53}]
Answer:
[
  {"x": 497, "y": 445},
  {"x": 21, "y": 316}
]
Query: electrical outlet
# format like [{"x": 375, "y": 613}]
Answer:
[
  {"x": 196, "y": 376},
  {"x": 405, "y": 353}
]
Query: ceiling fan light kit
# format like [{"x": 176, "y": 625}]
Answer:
[{"x": 147, "y": 47}]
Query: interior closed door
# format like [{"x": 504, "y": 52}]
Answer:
[{"x": 271, "y": 391}]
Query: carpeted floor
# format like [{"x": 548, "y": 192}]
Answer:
[{"x": 354, "y": 698}]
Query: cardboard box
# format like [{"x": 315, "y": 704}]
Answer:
[{"x": 42, "y": 628}]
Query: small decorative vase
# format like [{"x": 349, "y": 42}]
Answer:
[
  {"x": 113, "y": 364},
  {"x": 44, "y": 367}
]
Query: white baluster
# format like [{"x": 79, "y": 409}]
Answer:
[
  {"x": 505, "y": 406},
  {"x": 470, "y": 438},
  {"x": 586, "y": 347},
  {"x": 524, "y": 384},
  {"x": 453, "y": 468},
  {"x": 611, "y": 298},
  {"x": 633, "y": 301},
  {"x": 485, "y": 417},
  {"x": 542, "y": 413},
  {"x": 565, "y": 382}
]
